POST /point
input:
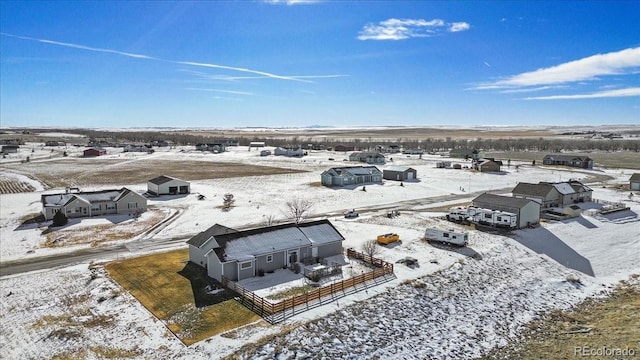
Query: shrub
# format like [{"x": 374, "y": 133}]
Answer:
[
  {"x": 60, "y": 219},
  {"x": 260, "y": 272}
]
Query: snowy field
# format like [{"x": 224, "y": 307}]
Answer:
[{"x": 458, "y": 303}]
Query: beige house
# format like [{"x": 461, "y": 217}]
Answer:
[{"x": 94, "y": 203}]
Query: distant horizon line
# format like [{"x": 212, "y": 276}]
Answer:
[{"x": 313, "y": 127}]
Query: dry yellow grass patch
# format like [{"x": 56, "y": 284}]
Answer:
[
  {"x": 612, "y": 323},
  {"x": 97, "y": 234},
  {"x": 155, "y": 281}
]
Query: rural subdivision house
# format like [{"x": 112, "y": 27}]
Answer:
[
  {"x": 167, "y": 185},
  {"x": 369, "y": 157},
  {"x": 344, "y": 148},
  {"x": 351, "y": 175},
  {"x": 634, "y": 181},
  {"x": 584, "y": 162},
  {"x": 288, "y": 151},
  {"x": 94, "y": 203},
  {"x": 550, "y": 195},
  {"x": 399, "y": 173},
  {"x": 239, "y": 255},
  {"x": 213, "y": 147},
  {"x": 527, "y": 211},
  {"x": 487, "y": 165},
  {"x": 94, "y": 152}
]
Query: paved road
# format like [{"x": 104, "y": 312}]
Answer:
[{"x": 149, "y": 243}]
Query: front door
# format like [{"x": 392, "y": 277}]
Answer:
[{"x": 293, "y": 257}]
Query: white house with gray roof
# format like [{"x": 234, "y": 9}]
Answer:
[
  {"x": 239, "y": 255},
  {"x": 94, "y": 203},
  {"x": 351, "y": 175},
  {"x": 167, "y": 185}
]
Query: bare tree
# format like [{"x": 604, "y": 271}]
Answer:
[
  {"x": 269, "y": 219},
  {"x": 371, "y": 248},
  {"x": 297, "y": 209}
]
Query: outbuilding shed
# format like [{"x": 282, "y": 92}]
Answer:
[
  {"x": 167, "y": 185},
  {"x": 399, "y": 173},
  {"x": 634, "y": 181}
]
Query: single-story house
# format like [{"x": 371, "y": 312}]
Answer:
[
  {"x": 291, "y": 152},
  {"x": 487, "y": 165},
  {"x": 230, "y": 142},
  {"x": 239, "y": 255},
  {"x": 95, "y": 203},
  {"x": 413, "y": 151},
  {"x": 137, "y": 148},
  {"x": 351, "y": 175},
  {"x": 528, "y": 211},
  {"x": 369, "y": 157},
  {"x": 257, "y": 144},
  {"x": 550, "y": 195},
  {"x": 10, "y": 149},
  {"x": 94, "y": 152},
  {"x": 634, "y": 181},
  {"x": 203, "y": 243},
  {"x": 217, "y": 147},
  {"x": 465, "y": 153},
  {"x": 162, "y": 143},
  {"x": 167, "y": 185},
  {"x": 344, "y": 148},
  {"x": 399, "y": 173},
  {"x": 544, "y": 194},
  {"x": 584, "y": 162},
  {"x": 54, "y": 143}
]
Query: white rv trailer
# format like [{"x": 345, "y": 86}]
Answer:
[
  {"x": 483, "y": 216},
  {"x": 447, "y": 236}
]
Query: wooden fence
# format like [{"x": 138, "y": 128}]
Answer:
[{"x": 276, "y": 312}]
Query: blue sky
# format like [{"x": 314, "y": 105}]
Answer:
[{"x": 328, "y": 63}]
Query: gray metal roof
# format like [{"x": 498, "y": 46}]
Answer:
[
  {"x": 532, "y": 189},
  {"x": 202, "y": 237},
  {"x": 162, "y": 179},
  {"x": 90, "y": 197},
  {"x": 502, "y": 200},
  {"x": 244, "y": 245},
  {"x": 399, "y": 168}
]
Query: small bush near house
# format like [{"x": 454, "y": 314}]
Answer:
[{"x": 60, "y": 219}]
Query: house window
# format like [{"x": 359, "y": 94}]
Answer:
[
  {"x": 111, "y": 206},
  {"x": 269, "y": 258},
  {"x": 245, "y": 265},
  {"x": 133, "y": 205}
]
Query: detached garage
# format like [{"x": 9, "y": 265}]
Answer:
[
  {"x": 167, "y": 185},
  {"x": 399, "y": 173}
]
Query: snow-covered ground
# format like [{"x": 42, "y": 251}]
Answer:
[{"x": 457, "y": 304}]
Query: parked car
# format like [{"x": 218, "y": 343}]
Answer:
[{"x": 351, "y": 214}]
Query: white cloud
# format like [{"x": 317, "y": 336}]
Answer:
[
  {"x": 459, "y": 26},
  {"x": 400, "y": 29},
  {"x": 602, "y": 94},
  {"x": 589, "y": 68}
]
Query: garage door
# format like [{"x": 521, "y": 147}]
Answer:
[{"x": 409, "y": 176}]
